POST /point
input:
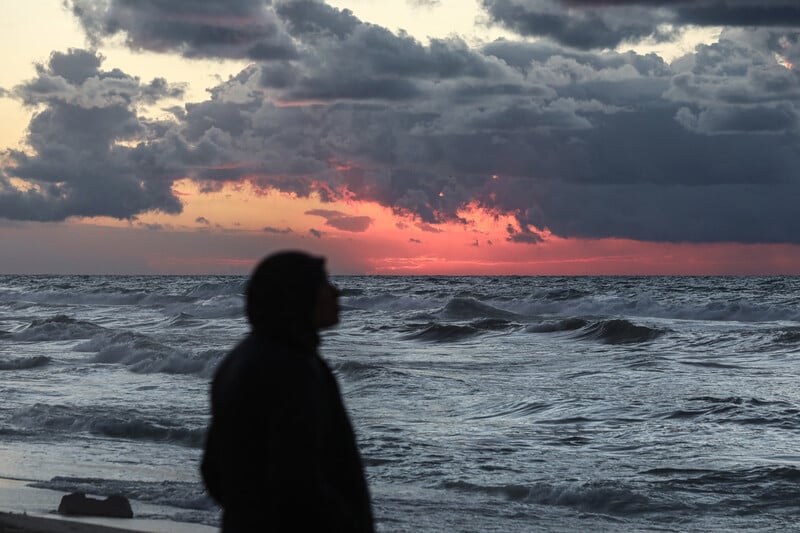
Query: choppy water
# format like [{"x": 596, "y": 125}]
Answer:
[{"x": 481, "y": 404}]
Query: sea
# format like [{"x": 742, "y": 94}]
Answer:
[{"x": 481, "y": 404}]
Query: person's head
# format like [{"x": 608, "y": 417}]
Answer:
[{"x": 289, "y": 292}]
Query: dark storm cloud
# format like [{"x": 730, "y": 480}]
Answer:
[
  {"x": 605, "y": 24},
  {"x": 81, "y": 160},
  {"x": 605, "y": 27},
  {"x": 347, "y": 59},
  {"x": 716, "y": 12},
  {"x": 312, "y": 17},
  {"x": 342, "y": 221},
  {"x": 582, "y": 143},
  {"x": 523, "y": 235},
  {"x": 193, "y": 28}
]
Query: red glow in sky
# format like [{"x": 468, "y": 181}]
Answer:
[{"x": 227, "y": 231}]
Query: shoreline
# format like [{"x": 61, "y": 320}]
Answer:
[{"x": 25, "y": 509}]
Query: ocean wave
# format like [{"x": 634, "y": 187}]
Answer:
[
  {"x": 104, "y": 295},
  {"x": 388, "y": 302},
  {"x": 593, "y": 497},
  {"x": 737, "y": 410},
  {"x": 50, "y": 298},
  {"x": 561, "y": 294},
  {"x": 619, "y": 331},
  {"x": 574, "y": 302},
  {"x": 584, "y": 303},
  {"x": 467, "y": 308},
  {"x": 184, "y": 320},
  {"x": 709, "y": 364},
  {"x": 144, "y": 355},
  {"x": 751, "y": 476},
  {"x": 358, "y": 369},
  {"x": 443, "y": 333},
  {"x": 24, "y": 363},
  {"x": 217, "y": 288},
  {"x": 436, "y": 332},
  {"x": 553, "y": 326},
  {"x": 756, "y": 489},
  {"x": 514, "y": 410},
  {"x": 353, "y": 291},
  {"x": 788, "y": 336},
  {"x": 129, "y": 425},
  {"x": 222, "y": 306},
  {"x": 57, "y": 328}
]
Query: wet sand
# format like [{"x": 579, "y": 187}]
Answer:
[{"x": 21, "y": 523}]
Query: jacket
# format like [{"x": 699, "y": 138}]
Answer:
[{"x": 280, "y": 452}]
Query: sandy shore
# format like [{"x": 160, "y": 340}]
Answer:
[{"x": 25, "y": 509}]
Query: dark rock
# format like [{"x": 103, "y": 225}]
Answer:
[{"x": 77, "y": 503}]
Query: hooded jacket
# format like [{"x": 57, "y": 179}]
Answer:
[{"x": 280, "y": 452}]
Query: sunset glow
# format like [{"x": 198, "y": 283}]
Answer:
[{"x": 397, "y": 244}]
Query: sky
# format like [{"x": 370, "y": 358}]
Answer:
[{"x": 424, "y": 137}]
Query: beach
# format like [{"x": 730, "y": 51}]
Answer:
[{"x": 25, "y": 509}]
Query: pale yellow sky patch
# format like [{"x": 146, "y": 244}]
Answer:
[{"x": 32, "y": 29}]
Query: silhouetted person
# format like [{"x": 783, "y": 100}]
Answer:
[{"x": 280, "y": 452}]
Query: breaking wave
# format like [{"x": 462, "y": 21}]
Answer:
[
  {"x": 145, "y": 355},
  {"x": 467, "y": 308},
  {"x": 436, "y": 332},
  {"x": 619, "y": 331},
  {"x": 23, "y": 363},
  {"x": 594, "y": 497},
  {"x": 100, "y": 421},
  {"x": 57, "y": 328},
  {"x": 553, "y": 326}
]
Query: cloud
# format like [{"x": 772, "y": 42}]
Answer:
[
  {"x": 342, "y": 221},
  {"x": 588, "y": 24},
  {"x": 83, "y": 157},
  {"x": 522, "y": 235},
  {"x": 603, "y": 27},
  {"x": 315, "y": 233},
  {"x": 588, "y": 143},
  {"x": 202, "y": 220},
  {"x": 270, "y": 229},
  {"x": 239, "y": 29},
  {"x": 415, "y": 241}
]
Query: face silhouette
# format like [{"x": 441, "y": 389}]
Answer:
[{"x": 326, "y": 310}]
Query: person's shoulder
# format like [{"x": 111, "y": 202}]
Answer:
[{"x": 267, "y": 352}]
